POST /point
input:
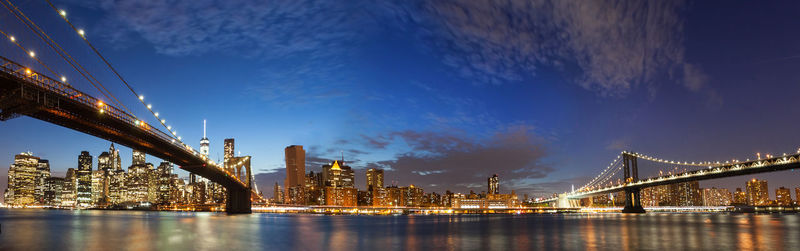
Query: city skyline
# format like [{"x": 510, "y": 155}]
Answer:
[{"x": 537, "y": 117}]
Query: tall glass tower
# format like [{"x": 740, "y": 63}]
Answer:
[{"x": 204, "y": 143}]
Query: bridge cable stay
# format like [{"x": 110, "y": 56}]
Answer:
[
  {"x": 140, "y": 97},
  {"x": 609, "y": 171},
  {"x": 14, "y": 40},
  {"x": 61, "y": 52}
]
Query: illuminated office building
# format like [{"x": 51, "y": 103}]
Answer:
[
  {"x": 294, "y": 184},
  {"x": 163, "y": 180},
  {"x": 494, "y": 184},
  {"x": 137, "y": 183},
  {"x": 22, "y": 180},
  {"x": 117, "y": 192},
  {"x": 757, "y": 193},
  {"x": 43, "y": 173},
  {"x": 204, "y": 142},
  {"x": 52, "y": 192},
  {"x": 689, "y": 194},
  {"x": 228, "y": 151},
  {"x": 68, "y": 194},
  {"x": 97, "y": 188},
  {"x": 84, "y": 178},
  {"x": 139, "y": 158},
  {"x": 374, "y": 178}
]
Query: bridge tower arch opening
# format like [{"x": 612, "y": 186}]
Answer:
[{"x": 633, "y": 202}]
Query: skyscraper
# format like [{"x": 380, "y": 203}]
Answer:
[
  {"x": 374, "y": 179},
  {"x": 139, "y": 158},
  {"x": 84, "y": 178},
  {"x": 104, "y": 164},
  {"x": 204, "y": 142},
  {"x": 295, "y": 174},
  {"x": 52, "y": 192},
  {"x": 229, "y": 151},
  {"x": 69, "y": 188},
  {"x": 22, "y": 179},
  {"x": 757, "y": 192},
  {"x": 494, "y": 184},
  {"x": 783, "y": 196},
  {"x": 116, "y": 162},
  {"x": 42, "y": 174}
]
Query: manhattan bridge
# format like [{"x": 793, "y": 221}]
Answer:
[
  {"x": 31, "y": 86},
  {"x": 34, "y": 87}
]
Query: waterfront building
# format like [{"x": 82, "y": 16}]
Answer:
[
  {"x": 294, "y": 183},
  {"x": 22, "y": 180},
  {"x": 717, "y": 197},
  {"x": 228, "y": 151},
  {"x": 341, "y": 196},
  {"x": 338, "y": 175},
  {"x": 52, "y": 192},
  {"x": 380, "y": 198},
  {"x": 315, "y": 192},
  {"x": 277, "y": 194},
  {"x": 84, "y": 178},
  {"x": 97, "y": 188},
  {"x": 757, "y": 193},
  {"x": 494, "y": 184},
  {"x": 739, "y": 197},
  {"x": 797, "y": 195},
  {"x": 164, "y": 183},
  {"x": 649, "y": 196},
  {"x": 70, "y": 189},
  {"x": 104, "y": 164},
  {"x": 689, "y": 194},
  {"x": 783, "y": 196},
  {"x": 43, "y": 172},
  {"x": 117, "y": 192},
  {"x": 396, "y": 196},
  {"x": 116, "y": 161},
  {"x": 137, "y": 183},
  {"x": 414, "y": 196}
]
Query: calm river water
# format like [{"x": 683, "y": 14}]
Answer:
[{"x": 33, "y": 229}]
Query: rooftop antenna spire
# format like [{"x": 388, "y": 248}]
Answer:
[
  {"x": 204, "y": 128},
  {"x": 342, "y": 157}
]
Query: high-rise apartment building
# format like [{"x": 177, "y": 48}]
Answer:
[
  {"x": 494, "y": 184},
  {"x": 739, "y": 197},
  {"x": 84, "y": 178},
  {"x": 783, "y": 196},
  {"x": 717, "y": 197},
  {"x": 689, "y": 194},
  {"x": 757, "y": 193},
  {"x": 374, "y": 179}
]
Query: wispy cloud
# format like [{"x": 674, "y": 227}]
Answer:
[{"x": 613, "y": 46}]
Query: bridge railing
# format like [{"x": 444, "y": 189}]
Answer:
[{"x": 69, "y": 92}]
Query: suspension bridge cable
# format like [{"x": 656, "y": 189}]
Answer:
[
  {"x": 31, "y": 53},
  {"x": 61, "y": 52},
  {"x": 140, "y": 97}
]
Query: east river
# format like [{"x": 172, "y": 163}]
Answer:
[{"x": 38, "y": 229}]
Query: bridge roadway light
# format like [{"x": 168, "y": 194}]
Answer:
[
  {"x": 62, "y": 13},
  {"x": 81, "y": 32},
  {"x": 63, "y": 79},
  {"x": 149, "y": 106},
  {"x": 141, "y": 97},
  {"x": 32, "y": 54},
  {"x": 12, "y": 38}
]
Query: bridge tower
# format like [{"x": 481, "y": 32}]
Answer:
[{"x": 633, "y": 202}]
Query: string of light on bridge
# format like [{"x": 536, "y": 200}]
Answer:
[{"x": 82, "y": 33}]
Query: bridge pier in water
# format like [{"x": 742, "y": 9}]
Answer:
[
  {"x": 238, "y": 201},
  {"x": 633, "y": 202}
]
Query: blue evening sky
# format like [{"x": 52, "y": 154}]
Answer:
[{"x": 441, "y": 94}]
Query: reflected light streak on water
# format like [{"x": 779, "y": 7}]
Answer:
[{"x": 110, "y": 230}]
